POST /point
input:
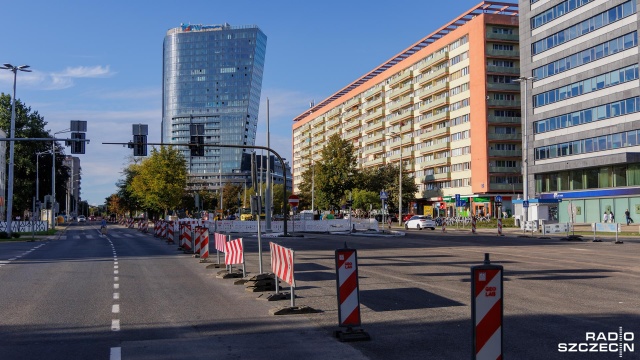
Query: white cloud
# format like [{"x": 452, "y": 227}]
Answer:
[{"x": 58, "y": 80}]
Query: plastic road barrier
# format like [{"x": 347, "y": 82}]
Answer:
[
  {"x": 282, "y": 260},
  {"x": 487, "y": 310},
  {"x": 473, "y": 225},
  {"x": 220, "y": 241},
  {"x": 234, "y": 254},
  {"x": 347, "y": 287},
  {"x": 185, "y": 237},
  {"x": 499, "y": 227},
  {"x": 196, "y": 240},
  {"x": 170, "y": 228},
  {"x": 204, "y": 243}
]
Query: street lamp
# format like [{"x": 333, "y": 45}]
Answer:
[
  {"x": 38, "y": 175},
  {"x": 12, "y": 135},
  {"x": 400, "y": 182},
  {"x": 525, "y": 192},
  {"x": 53, "y": 178}
]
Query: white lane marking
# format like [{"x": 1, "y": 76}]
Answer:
[
  {"x": 116, "y": 286},
  {"x": 115, "y": 309},
  {"x": 115, "y": 266},
  {"x": 115, "y": 325},
  {"x": 115, "y": 263},
  {"x": 116, "y": 296},
  {"x": 115, "y": 278},
  {"x": 579, "y": 249},
  {"x": 115, "y": 353},
  {"x": 3, "y": 262},
  {"x": 115, "y": 272},
  {"x": 12, "y": 259}
]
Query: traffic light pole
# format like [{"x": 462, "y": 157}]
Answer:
[{"x": 284, "y": 168}]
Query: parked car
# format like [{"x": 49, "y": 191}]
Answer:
[
  {"x": 82, "y": 218},
  {"x": 406, "y": 217},
  {"x": 92, "y": 218},
  {"x": 420, "y": 222}
]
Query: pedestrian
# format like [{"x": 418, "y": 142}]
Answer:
[
  {"x": 627, "y": 215},
  {"x": 612, "y": 218},
  {"x": 605, "y": 217},
  {"x": 103, "y": 226}
]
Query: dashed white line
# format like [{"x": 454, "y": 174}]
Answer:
[
  {"x": 115, "y": 308},
  {"x": 115, "y": 354},
  {"x": 12, "y": 259},
  {"x": 116, "y": 286},
  {"x": 115, "y": 272},
  {"x": 116, "y": 296},
  {"x": 115, "y": 263},
  {"x": 116, "y": 279},
  {"x": 115, "y": 266},
  {"x": 115, "y": 325}
]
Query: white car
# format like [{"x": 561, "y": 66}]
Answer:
[
  {"x": 420, "y": 222},
  {"x": 81, "y": 218}
]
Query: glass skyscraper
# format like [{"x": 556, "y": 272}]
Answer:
[{"x": 212, "y": 76}]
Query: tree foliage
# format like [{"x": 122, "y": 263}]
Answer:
[
  {"x": 30, "y": 124},
  {"x": 161, "y": 179},
  {"x": 335, "y": 172}
]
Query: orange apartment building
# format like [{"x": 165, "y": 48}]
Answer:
[{"x": 447, "y": 105}]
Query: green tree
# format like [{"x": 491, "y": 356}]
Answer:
[
  {"x": 365, "y": 199},
  {"x": 230, "y": 194},
  {"x": 128, "y": 200},
  {"x": 335, "y": 172},
  {"x": 30, "y": 124},
  {"x": 278, "y": 198},
  {"x": 161, "y": 179}
]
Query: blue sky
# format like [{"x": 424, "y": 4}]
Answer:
[{"x": 102, "y": 61}]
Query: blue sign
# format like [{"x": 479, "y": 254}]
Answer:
[
  {"x": 525, "y": 204},
  {"x": 499, "y": 198},
  {"x": 383, "y": 195}
]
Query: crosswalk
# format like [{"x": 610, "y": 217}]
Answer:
[{"x": 98, "y": 236}]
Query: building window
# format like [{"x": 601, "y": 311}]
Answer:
[
  {"x": 586, "y": 56},
  {"x": 585, "y": 86}
]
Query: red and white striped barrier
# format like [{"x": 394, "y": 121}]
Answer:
[
  {"x": 348, "y": 293},
  {"x": 220, "y": 241},
  {"x": 145, "y": 226},
  {"x": 196, "y": 240},
  {"x": 444, "y": 225},
  {"x": 234, "y": 254},
  {"x": 499, "y": 227},
  {"x": 473, "y": 225},
  {"x": 204, "y": 243},
  {"x": 163, "y": 229},
  {"x": 185, "y": 237},
  {"x": 170, "y": 232},
  {"x": 282, "y": 260},
  {"x": 487, "y": 310}
]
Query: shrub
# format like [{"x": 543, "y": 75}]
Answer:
[
  {"x": 15, "y": 235},
  {"x": 4, "y": 235}
]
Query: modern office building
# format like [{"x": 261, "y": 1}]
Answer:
[
  {"x": 583, "y": 106},
  {"x": 447, "y": 105},
  {"x": 212, "y": 76},
  {"x": 73, "y": 184}
]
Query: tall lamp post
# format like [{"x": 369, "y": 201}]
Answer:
[
  {"x": 12, "y": 135},
  {"x": 525, "y": 125},
  {"x": 400, "y": 181},
  {"x": 38, "y": 175}
]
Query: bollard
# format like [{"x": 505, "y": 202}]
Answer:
[
  {"x": 500, "y": 227},
  {"x": 473, "y": 225},
  {"x": 348, "y": 292},
  {"x": 487, "y": 310},
  {"x": 444, "y": 225}
]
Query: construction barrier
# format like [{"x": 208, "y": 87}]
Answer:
[
  {"x": 473, "y": 225},
  {"x": 348, "y": 295},
  {"x": 487, "y": 310},
  {"x": 444, "y": 225},
  {"x": 196, "y": 241},
  {"x": 606, "y": 227},
  {"x": 145, "y": 226},
  {"x": 282, "y": 260},
  {"x": 500, "y": 227},
  {"x": 170, "y": 232},
  {"x": 156, "y": 228},
  {"x": 204, "y": 243},
  {"x": 234, "y": 254},
  {"x": 220, "y": 241},
  {"x": 185, "y": 237}
]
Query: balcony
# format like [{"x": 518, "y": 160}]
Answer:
[
  {"x": 434, "y": 133},
  {"x": 434, "y": 104},
  {"x": 352, "y": 101},
  {"x": 434, "y": 147},
  {"x": 502, "y": 53},
  {"x": 405, "y": 116},
  {"x": 398, "y": 79},
  {"x": 435, "y": 118},
  {"x": 503, "y": 103},
  {"x": 503, "y": 70},
  {"x": 503, "y": 120},
  {"x": 352, "y": 135},
  {"x": 425, "y": 92},
  {"x": 505, "y": 153},
  {"x": 435, "y": 162},
  {"x": 373, "y": 138},
  {"x": 434, "y": 75},
  {"x": 507, "y": 37},
  {"x": 352, "y": 114},
  {"x": 352, "y": 124},
  {"x": 503, "y": 86},
  {"x": 505, "y": 187},
  {"x": 332, "y": 131},
  {"x": 375, "y": 125},
  {"x": 431, "y": 193},
  {"x": 373, "y": 103},
  {"x": 375, "y": 162},
  {"x": 400, "y": 90},
  {"x": 494, "y": 136},
  {"x": 436, "y": 59},
  {"x": 399, "y": 104},
  {"x": 502, "y": 169},
  {"x": 372, "y": 115},
  {"x": 436, "y": 177}
]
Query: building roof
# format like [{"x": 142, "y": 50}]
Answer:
[{"x": 492, "y": 7}]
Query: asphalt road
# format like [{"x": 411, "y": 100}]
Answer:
[{"x": 132, "y": 296}]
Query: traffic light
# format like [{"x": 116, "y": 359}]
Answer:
[
  {"x": 197, "y": 139},
  {"x": 77, "y": 147},
  {"x": 139, "y": 145},
  {"x": 349, "y": 203}
]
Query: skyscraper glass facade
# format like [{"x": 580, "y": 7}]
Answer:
[{"x": 212, "y": 75}]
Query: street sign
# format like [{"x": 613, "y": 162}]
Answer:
[
  {"x": 498, "y": 199},
  {"x": 383, "y": 195},
  {"x": 525, "y": 204},
  {"x": 294, "y": 200}
]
